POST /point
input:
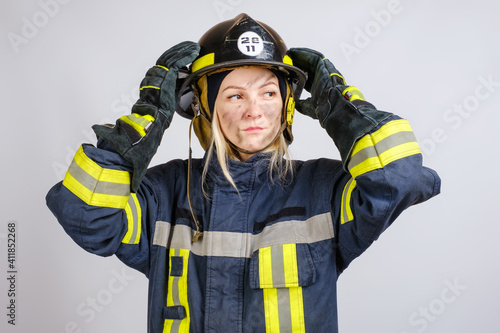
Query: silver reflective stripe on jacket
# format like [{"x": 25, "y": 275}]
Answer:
[{"x": 242, "y": 245}]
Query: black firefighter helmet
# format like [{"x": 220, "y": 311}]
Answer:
[{"x": 241, "y": 41}]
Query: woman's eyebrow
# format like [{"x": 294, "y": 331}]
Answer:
[
  {"x": 243, "y": 88},
  {"x": 268, "y": 83},
  {"x": 233, "y": 87}
]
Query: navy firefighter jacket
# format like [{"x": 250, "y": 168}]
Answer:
[{"x": 270, "y": 254}]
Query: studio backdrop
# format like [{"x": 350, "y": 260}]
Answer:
[{"x": 69, "y": 64}]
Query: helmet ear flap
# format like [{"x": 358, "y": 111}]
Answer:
[
  {"x": 203, "y": 129},
  {"x": 288, "y": 114},
  {"x": 202, "y": 121},
  {"x": 290, "y": 110}
]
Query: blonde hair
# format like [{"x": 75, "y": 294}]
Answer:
[{"x": 280, "y": 162}]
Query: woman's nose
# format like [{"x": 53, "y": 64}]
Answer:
[{"x": 254, "y": 110}]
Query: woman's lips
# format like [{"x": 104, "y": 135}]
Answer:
[{"x": 253, "y": 129}]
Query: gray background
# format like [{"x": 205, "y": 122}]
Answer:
[{"x": 66, "y": 65}]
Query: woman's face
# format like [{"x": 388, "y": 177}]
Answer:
[{"x": 249, "y": 108}]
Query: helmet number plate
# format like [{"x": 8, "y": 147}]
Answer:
[{"x": 250, "y": 44}]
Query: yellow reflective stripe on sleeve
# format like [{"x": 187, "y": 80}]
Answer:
[
  {"x": 279, "y": 279},
  {"x": 202, "y": 62},
  {"x": 134, "y": 216},
  {"x": 346, "y": 214},
  {"x": 95, "y": 185},
  {"x": 177, "y": 293},
  {"x": 393, "y": 141},
  {"x": 353, "y": 94}
]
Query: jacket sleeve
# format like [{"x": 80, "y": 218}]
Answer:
[
  {"x": 96, "y": 208},
  {"x": 384, "y": 177}
]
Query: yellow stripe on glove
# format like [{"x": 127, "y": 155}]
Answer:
[{"x": 140, "y": 123}]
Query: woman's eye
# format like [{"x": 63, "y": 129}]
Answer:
[
  {"x": 270, "y": 93},
  {"x": 235, "y": 97}
]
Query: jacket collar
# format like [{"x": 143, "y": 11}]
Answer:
[{"x": 243, "y": 173}]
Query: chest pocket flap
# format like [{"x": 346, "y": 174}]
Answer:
[{"x": 282, "y": 266}]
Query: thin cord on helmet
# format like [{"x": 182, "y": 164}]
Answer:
[{"x": 198, "y": 233}]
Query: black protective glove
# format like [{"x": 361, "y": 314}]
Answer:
[
  {"x": 136, "y": 137},
  {"x": 340, "y": 109}
]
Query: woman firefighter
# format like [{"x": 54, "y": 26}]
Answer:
[{"x": 245, "y": 239}]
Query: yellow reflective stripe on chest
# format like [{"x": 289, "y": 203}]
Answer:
[
  {"x": 283, "y": 307},
  {"x": 393, "y": 141}
]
